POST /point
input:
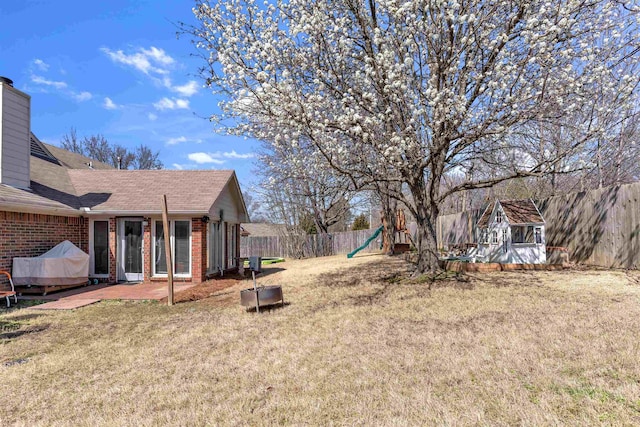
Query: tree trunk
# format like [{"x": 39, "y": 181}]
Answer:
[
  {"x": 426, "y": 241},
  {"x": 389, "y": 219}
]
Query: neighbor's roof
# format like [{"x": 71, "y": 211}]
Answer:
[
  {"x": 516, "y": 211},
  {"x": 263, "y": 229},
  {"x": 193, "y": 191}
]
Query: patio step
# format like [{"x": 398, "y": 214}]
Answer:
[{"x": 65, "y": 304}]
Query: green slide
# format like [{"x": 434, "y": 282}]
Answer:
[{"x": 373, "y": 236}]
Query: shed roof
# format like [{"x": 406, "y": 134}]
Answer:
[
  {"x": 516, "y": 211},
  {"x": 521, "y": 212}
]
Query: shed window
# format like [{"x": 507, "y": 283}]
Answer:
[
  {"x": 538, "y": 234},
  {"x": 499, "y": 217},
  {"x": 494, "y": 237},
  {"x": 522, "y": 234}
]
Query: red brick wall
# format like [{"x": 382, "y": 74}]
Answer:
[
  {"x": 113, "y": 241},
  {"x": 146, "y": 242},
  {"x": 198, "y": 250},
  {"x": 29, "y": 235}
]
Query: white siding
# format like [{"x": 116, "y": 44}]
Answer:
[
  {"x": 516, "y": 253},
  {"x": 15, "y": 145},
  {"x": 228, "y": 205},
  {"x": 231, "y": 204}
]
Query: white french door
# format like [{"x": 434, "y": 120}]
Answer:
[{"x": 131, "y": 254}]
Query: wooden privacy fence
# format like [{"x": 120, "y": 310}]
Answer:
[
  {"x": 307, "y": 246},
  {"x": 600, "y": 227}
]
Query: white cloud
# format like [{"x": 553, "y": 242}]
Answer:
[
  {"x": 159, "y": 55},
  {"x": 82, "y": 96},
  {"x": 43, "y": 66},
  {"x": 177, "y": 166},
  {"x": 187, "y": 89},
  {"x": 233, "y": 155},
  {"x": 202, "y": 158},
  {"x": 152, "y": 116},
  {"x": 144, "y": 60},
  {"x": 218, "y": 157},
  {"x": 173, "y": 141},
  {"x": 109, "y": 104},
  {"x": 42, "y": 81},
  {"x": 171, "y": 104}
]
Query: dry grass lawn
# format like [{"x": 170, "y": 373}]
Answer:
[{"x": 357, "y": 344}]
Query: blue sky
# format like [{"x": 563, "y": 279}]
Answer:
[{"x": 116, "y": 68}]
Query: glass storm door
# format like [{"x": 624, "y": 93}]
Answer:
[{"x": 132, "y": 249}]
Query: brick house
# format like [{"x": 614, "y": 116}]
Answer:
[{"x": 48, "y": 194}]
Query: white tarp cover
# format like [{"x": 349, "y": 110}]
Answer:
[{"x": 64, "y": 264}]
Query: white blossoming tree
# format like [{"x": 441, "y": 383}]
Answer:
[{"x": 405, "y": 92}]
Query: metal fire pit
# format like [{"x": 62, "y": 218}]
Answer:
[{"x": 266, "y": 295}]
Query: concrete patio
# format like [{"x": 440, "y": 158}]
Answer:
[{"x": 86, "y": 295}]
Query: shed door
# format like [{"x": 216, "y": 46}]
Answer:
[{"x": 505, "y": 242}]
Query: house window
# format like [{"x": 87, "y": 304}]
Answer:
[
  {"x": 538, "y": 234},
  {"x": 214, "y": 247},
  {"x": 182, "y": 247},
  {"x": 100, "y": 248},
  {"x": 494, "y": 237},
  {"x": 232, "y": 232},
  {"x": 180, "y": 235},
  {"x": 499, "y": 217}
]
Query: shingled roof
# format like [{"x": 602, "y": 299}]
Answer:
[
  {"x": 516, "y": 211},
  {"x": 192, "y": 191},
  {"x": 64, "y": 181},
  {"x": 521, "y": 212}
]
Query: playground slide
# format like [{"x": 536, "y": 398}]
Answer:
[{"x": 373, "y": 236}]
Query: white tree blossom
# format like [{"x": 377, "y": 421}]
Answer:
[{"x": 405, "y": 92}]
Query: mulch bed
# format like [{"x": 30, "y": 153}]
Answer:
[{"x": 211, "y": 289}]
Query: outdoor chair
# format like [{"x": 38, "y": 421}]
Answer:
[{"x": 6, "y": 294}]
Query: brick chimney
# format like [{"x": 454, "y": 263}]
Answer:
[{"x": 15, "y": 135}]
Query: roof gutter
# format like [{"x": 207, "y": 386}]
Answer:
[
  {"x": 91, "y": 212},
  {"x": 31, "y": 208}
]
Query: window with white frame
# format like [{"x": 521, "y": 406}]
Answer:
[
  {"x": 100, "y": 248},
  {"x": 538, "y": 235},
  {"x": 494, "y": 237},
  {"x": 499, "y": 217},
  {"x": 180, "y": 238},
  {"x": 484, "y": 236}
]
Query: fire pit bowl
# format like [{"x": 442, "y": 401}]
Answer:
[{"x": 266, "y": 295}]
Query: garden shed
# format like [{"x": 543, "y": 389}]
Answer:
[{"x": 512, "y": 231}]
